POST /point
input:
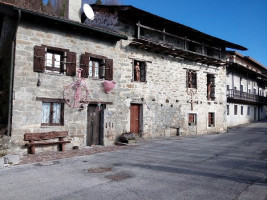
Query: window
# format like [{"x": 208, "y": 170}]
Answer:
[
  {"x": 191, "y": 77},
  {"x": 210, "y": 87},
  {"x": 235, "y": 109},
  {"x": 52, "y": 114},
  {"x": 227, "y": 109},
  {"x": 211, "y": 120},
  {"x": 248, "y": 112},
  {"x": 139, "y": 71},
  {"x": 192, "y": 119},
  {"x": 254, "y": 91},
  {"x": 227, "y": 87},
  {"x": 241, "y": 88},
  {"x": 241, "y": 110},
  {"x": 54, "y": 60},
  {"x": 249, "y": 91},
  {"x": 96, "y": 66}
]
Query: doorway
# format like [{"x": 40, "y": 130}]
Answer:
[
  {"x": 95, "y": 122},
  {"x": 135, "y": 118}
]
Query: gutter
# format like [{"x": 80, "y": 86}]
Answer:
[{"x": 10, "y": 106}]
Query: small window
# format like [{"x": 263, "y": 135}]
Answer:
[
  {"x": 235, "y": 109},
  {"x": 241, "y": 110},
  {"x": 254, "y": 91},
  {"x": 54, "y": 61},
  {"x": 139, "y": 71},
  {"x": 227, "y": 109},
  {"x": 241, "y": 88},
  {"x": 248, "y": 111},
  {"x": 52, "y": 114},
  {"x": 249, "y": 91},
  {"x": 211, "y": 119},
  {"x": 191, "y": 79},
  {"x": 227, "y": 87},
  {"x": 96, "y": 68},
  {"x": 210, "y": 87},
  {"x": 192, "y": 119}
]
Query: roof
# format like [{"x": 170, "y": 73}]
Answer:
[
  {"x": 137, "y": 14},
  {"x": 247, "y": 58},
  {"x": 34, "y": 16}
]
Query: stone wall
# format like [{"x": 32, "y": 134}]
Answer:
[{"x": 164, "y": 97}]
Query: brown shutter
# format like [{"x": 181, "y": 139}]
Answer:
[
  {"x": 71, "y": 64},
  {"x": 84, "y": 64},
  {"x": 39, "y": 59},
  {"x": 109, "y": 69},
  {"x": 196, "y": 79},
  {"x": 143, "y": 72}
]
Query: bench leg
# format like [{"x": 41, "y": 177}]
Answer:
[
  {"x": 32, "y": 149},
  {"x": 61, "y": 146}
]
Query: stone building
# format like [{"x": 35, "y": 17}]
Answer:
[
  {"x": 246, "y": 90},
  {"x": 170, "y": 78}
]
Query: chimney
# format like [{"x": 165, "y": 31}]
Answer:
[{"x": 75, "y": 8}]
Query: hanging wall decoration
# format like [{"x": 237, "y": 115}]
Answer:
[
  {"x": 76, "y": 94},
  {"x": 109, "y": 85}
]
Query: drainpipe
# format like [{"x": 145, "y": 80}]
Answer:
[{"x": 10, "y": 102}]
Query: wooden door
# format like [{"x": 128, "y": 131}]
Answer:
[
  {"x": 93, "y": 126},
  {"x": 255, "y": 113},
  {"x": 135, "y": 118}
]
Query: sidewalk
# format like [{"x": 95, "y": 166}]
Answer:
[{"x": 57, "y": 155}]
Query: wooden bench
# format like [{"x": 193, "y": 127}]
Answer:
[{"x": 41, "y": 139}]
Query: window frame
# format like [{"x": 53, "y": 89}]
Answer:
[
  {"x": 193, "y": 83},
  {"x": 54, "y": 69},
  {"x": 235, "y": 109},
  {"x": 142, "y": 70},
  {"x": 248, "y": 111},
  {"x": 211, "y": 87},
  {"x": 194, "y": 116},
  {"x": 211, "y": 119},
  {"x": 51, "y": 102},
  {"x": 241, "y": 110}
]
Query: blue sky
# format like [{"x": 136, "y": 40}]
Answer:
[{"x": 243, "y": 22}]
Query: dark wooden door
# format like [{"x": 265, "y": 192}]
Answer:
[
  {"x": 255, "y": 113},
  {"x": 135, "y": 118},
  {"x": 93, "y": 126}
]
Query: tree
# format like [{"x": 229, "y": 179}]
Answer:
[
  {"x": 98, "y": 2},
  {"x": 113, "y": 2}
]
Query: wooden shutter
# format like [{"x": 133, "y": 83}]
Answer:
[
  {"x": 109, "y": 69},
  {"x": 195, "y": 80},
  {"x": 143, "y": 72},
  {"x": 39, "y": 59},
  {"x": 191, "y": 118},
  {"x": 71, "y": 64},
  {"x": 84, "y": 64},
  {"x": 187, "y": 79}
]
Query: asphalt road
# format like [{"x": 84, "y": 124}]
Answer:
[{"x": 225, "y": 166}]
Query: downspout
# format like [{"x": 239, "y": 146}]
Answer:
[{"x": 10, "y": 102}]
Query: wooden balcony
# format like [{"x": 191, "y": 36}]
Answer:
[
  {"x": 237, "y": 96},
  {"x": 160, "y": 41}
]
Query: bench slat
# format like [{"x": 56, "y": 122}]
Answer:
[
  {"x": 45, "y": 143},
  {"x": 45, "y": 135}
]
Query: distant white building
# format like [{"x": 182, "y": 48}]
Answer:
[{"x": 246, "y": 90}]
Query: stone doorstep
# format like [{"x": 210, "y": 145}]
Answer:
[{"x": 9, "y": 160}]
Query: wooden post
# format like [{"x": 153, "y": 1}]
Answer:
[
  {"x": 32, "y": 147},
  {"x": 138, "y": 30},
  {"x": 62, "y": 145}
]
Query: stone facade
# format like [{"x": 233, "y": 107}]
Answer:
[
  {"x": 167, "y": 105},
  {"x": 164, "y": 97}
]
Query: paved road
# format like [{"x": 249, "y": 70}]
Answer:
[{"x": 225, "y": 166}]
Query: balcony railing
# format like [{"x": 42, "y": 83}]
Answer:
[{"x": 245, "y": 97}]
